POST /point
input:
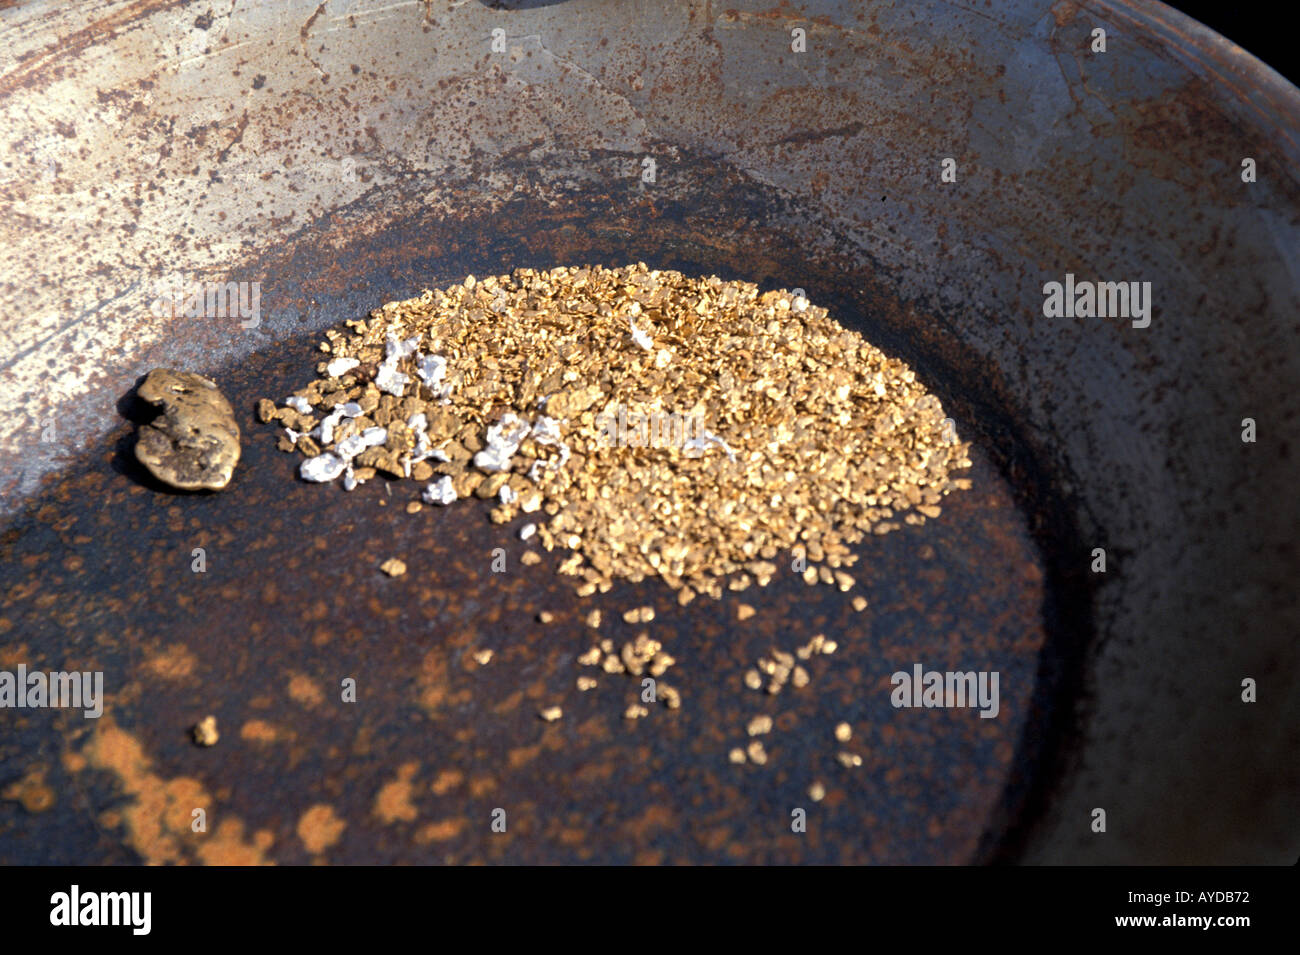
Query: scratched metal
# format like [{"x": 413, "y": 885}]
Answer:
[{"x": 296, "y": 144}]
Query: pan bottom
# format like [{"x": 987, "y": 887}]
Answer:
[{"x": 356, "y": 725}]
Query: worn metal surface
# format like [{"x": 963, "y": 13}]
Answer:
[{"x": 295, "y": 144}]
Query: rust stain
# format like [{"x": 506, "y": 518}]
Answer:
[
  {"x": 523, "y": 755},
  {"x": 73, "y": 761},
  {"x": 652, "y": 819},
  {"x": 158, "y": 820},
  {"x": 393, "y": 803},
  {"x": 434, "y": 684},
  {"x": 319, "y": 828},
  {"x": 446, "y": 781},
  {"x": 31, "y": 792},
  {"x": 13, "y": 655},
  {"x": 176, "y": 662},
  {"x": 227, "y": 846},
  {"x": 70, "y": 44},
  {"x": 441, "y": 831},
  {"x": 259, "y": 731},
  {"x": 302, "y": 689}
]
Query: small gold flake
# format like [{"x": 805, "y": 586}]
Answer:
[
  {"x": 756, "y": 752},
  {"x": 816, "y": 792},
  {"x": 843, "y": 732},
  {"x": 393, "y": 567},
  {"x": 551, "y": 713},
  {"x": 639, "y": 615},
  {"x": 205, "y": 732},
  {"x": 744, "y": 612},
  {"x": 483, "y": 657},
  {"x": 586, "y": 683},
  {"x": 546, "y": 617},
  {"x": 849, "y": 760},
  {"x": 737, "y": 755},
  {"x": 635, "y": 712},
  {"x": 759, "y": 725}
]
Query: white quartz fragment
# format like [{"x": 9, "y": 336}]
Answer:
[
  {"x": 503, "y": 440},
  {"x": 324, "y": 432},
  {"x": 440, "y": 492},
  {"x": 527, "y": 531},
  {"x": 696, "y": 446},
  {"x": 395, "y": 350},
  {"x": 298, "y": 404},
  {"x": 492, "y": 459},
  {"x": 354, "y": 444},
  {"x": 507, "y": 494},
  {"x": 509, "y": 432},
  {"x": 391, "y": 381},
  {"x": 340, "y": 366},
  {"x": 350, "y": 447},
  {"x": 431, "y": 369},
  {"x": 388, "y": 379},
  {"x": 350, "y": 481},
  {"x": 546, "y": 430},
  {"x": 351, "y": 409},
  {"x": 640, "y": 337},
  {"x": 323, "y": 468},
  {"x": 422, "y": 446}
]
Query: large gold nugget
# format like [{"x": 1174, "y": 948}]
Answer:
[{"x": 194, "y": 443}]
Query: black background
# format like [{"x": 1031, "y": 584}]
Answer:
[{"x": 1263, "y": 29}]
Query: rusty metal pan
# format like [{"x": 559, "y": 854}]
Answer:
[{"x": 342, "y": 155}]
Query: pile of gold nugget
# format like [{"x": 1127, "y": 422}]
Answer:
[{"x": 649, "y": 423}]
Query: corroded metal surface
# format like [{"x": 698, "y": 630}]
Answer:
[
  {"x": 292, "y": 602},
  {"x": 295, "y": 145}
]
